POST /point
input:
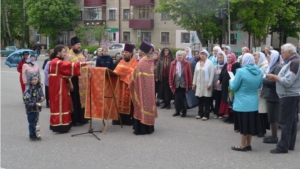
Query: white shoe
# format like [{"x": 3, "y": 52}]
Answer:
[
  {"x": 198, "y": 117},
  {"x": 204, "y": 118},
  {"x": 215, "y": 117},
  {"x": 220, "y": 117}
]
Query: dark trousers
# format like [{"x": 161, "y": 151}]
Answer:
[
  {"x": 288, "y": 123},
  {"x": 180, "y": 100},
  {"x": 166, "y": 93},
  {"x": 217, "y": 97},
  {"x": 47, "y": 94},
  {"x": 204, "y": 105},
  {"x": 32, "y": 120}
]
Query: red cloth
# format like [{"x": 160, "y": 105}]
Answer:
[
  {"x": 187, "y": 75},
  {"x": 20, "y": 66},
  {"x": 224, "y": 109},
  {"x": 59, "y": 71},
  {"x": 166, "y": 66},
  {"x": 143, "y": 92}
]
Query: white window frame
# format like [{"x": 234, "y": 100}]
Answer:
[
  {"x": 146, "y": 32},
  {"x": 129, "y": 36},
  {"x": 181, "y": 38},
  {"x": 87, "y": 16},
  {"x": 161, "y": 37},
  {"x": 128, "y": 14},
  {"x": 111, "y": 36},
  {"x": 165, "y": 14},
  {"x": 110, "y": 9}
]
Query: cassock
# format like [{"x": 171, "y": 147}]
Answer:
[
  {"x": 124, "y": 70},
  {"x": 20, "y": 66},
  {"x": 143, "y": 97},
  {"x": 59, "y": 71},
  {"x": 79, "y": 91}
]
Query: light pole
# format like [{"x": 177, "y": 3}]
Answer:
[
  {"x": 24, "y": 20},
  {"x": 228, "y": 23}
]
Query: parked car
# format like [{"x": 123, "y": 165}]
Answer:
[
  {"x": 8, "y": 50},
  {"x": 116, "y": 48}
]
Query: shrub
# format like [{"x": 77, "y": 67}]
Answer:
[{"x": 91, "y": 49}]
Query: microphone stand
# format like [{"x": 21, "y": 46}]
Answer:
[{"x": 91, "y": 130}]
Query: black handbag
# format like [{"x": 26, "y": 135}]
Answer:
[{"x": 191, "y": 99}]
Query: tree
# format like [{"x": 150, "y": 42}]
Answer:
[
  {"x": 11, "y": 21},
  {"x": 194, "y": 15},
  {"x": 51, "y": 17},
  {"x": 88, "y": 34}
]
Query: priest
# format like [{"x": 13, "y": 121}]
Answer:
[
  {"x": 124, "y": 69},
  {"x": 142, "y": 91}
]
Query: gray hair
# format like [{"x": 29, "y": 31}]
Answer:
[
  {"x": 245, "y": 48},
  {"x": 269, "y": 47},
  {"x": 288, "y": 47},
  {"x": 85, "y": 50}
]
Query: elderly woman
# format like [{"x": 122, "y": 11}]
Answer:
[
  {"x": 230, "y": 66},
  {"x": 245, "y": 84},
  {"x": 85, "y": 53},
  {"x": 20, "y": 67},
  {"x": 261, "y": 61},
  {"x": 190, "y": 58},
  {"x": 244, "y": 51},
  {"x": 180, "y": 81},
  {"x": 214, "y": 56},
  {"x": 269, "y": 94},
  {"x": 203, "y": 83},
  {"x": 30, "y": 67},
  {"x": 221, "y": 62}
]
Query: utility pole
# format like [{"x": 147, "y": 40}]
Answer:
[
  {"x": 228, "y": 23},
  {"x": 24, "y": 20}
]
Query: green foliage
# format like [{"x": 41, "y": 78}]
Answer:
[
  {"x": 51, "y": 17},
  {"x": 11, "y": 21},
  {"x": 91, "y": 49},
  {"x": 174, "y": 50},
  {"x": 194, "y": 15},
  {"x": 88, "y": 34}
]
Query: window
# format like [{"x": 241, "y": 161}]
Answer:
[
  {"x": 116, "y": 47},
  {"x": 126, "y": 36},
  {"x": 112, "y": 36},
  {"x": 165, "y": 37},
  {"x": 126, "y": 14},
  {"x": 112, "y": 14},
  {"x": 37, "y": 36},
  {"x": 80, "y": 16},
  {"x": 185, "y": 37},
  {"x": 144, "y": 12},
  {"x": 146, "y": 36},
  {"x": 165, "y": 16},
  {"x": 93, "y": 13},
  {"x": 233, "y": 40}
]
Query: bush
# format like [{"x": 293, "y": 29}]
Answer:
[
  {"x": 174, "y": 50},
  {"x": 91, "y": 49}
]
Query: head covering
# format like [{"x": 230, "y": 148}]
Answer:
[
  {"x": 271, "y": 48},
  {"x": 228, "y": 48},
  {"x": 224, "y": 57},
  {"x": 218, "y": 48},
  {"x": 189, "y": 54},
  {"x": 178, "y": 64},
  {"x": 145, "y": 46},
  {"x": 129, "y": 48},
  {"x": 248, "y": 59},
  {"x": 233, "y": 61},
  {"x": 25, "y": 52},
  {"x": 262, "y": 57},
  {"x": 32, "y": 76},
  {"x": 273, "y": 60},
  {"x": 74, "y": 40},
  {"x": 205, "y": 51}
]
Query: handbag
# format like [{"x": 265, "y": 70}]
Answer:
[{"x": 191, "y": 99}]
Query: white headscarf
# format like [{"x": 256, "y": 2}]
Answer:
[
  {"x": 224, "y": 57},
  {"x": 273, "y": 59},
  {"x": 189, "y": 54},
  {"x": 262, "y": 57},
  {"x": 248, "y": 59},
  {"x": 228, "y": 48},
  {"x": 206, "y": 65},
  {"x": 178, "y": 64}
]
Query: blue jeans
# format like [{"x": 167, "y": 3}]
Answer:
[{"x": 32, "y": 120}]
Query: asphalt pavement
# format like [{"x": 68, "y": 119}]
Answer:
[{"x": 177, "y": 143}]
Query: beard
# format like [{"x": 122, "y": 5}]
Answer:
[{"x": 76, "y": 51}]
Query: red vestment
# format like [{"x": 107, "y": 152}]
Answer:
[
  {"x": 20, "y": 66},
  {"x": 59, "y": 71},
  {"x": 124, "y": 70},
  {"x": 143, "y": 92}
]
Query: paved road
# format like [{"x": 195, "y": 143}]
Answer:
[{"x": 177, "y": 143}]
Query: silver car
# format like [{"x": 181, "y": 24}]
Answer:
[{"x": 116, "y": 48}]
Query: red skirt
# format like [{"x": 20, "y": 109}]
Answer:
[{"x": 224, "y": 109}]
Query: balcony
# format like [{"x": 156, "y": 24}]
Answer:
[
  {"x": 94, "y": 2},
  {"x": 141, "y": 23},
  {"x": 141, "y": 2}
]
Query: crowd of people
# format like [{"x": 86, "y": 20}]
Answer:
[{"x": 255, "y": 92}]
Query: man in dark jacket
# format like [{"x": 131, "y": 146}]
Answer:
[{"x": 105, "y": 60}]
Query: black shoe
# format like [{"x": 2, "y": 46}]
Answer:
[
  {"x": 164, "y": 106},
  {"x": 157, "y": 104},
  {"x": 260, "y": 135},
  {"x": 73, "y": 124},
  {"x": 270, "y": 140},
  {"x": 249, "y": 148},
  {"x": 276, "y": 151},
  {"x": 183, "y": 114},
  {"x": 238, "y": 148},
  {"x": 176, "y": 114},
  {"x": 169, "y": 106},
  {"x": 115, "y": 122},
  {"x": 48, "y": 106}
]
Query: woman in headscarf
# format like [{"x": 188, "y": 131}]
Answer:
[
  {"x": 214, "y": 56},
  {"x": 203, "y": 84},
  {"x": 230, "y": 66},
  {"x": 20, "y": 67},
  {"x": 180, "y": 80},
  {"x": 162, "y": 75},
  {"x": 245, "y": 84},
  {"x": 30, "y": 67},
  {"x": 190, "y": 58},
  {"x": 262, "y": 63},
  {"x": 222, "y": 60},
  {"x": 85, "y": 53},
  {"x": 157, "y": 83},
  {"x": 244, "y": 51},
  {"x": 269, "y": 94}
]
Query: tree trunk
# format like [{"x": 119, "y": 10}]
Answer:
[
  {"x": 200, "y": 36},
  {"x": 10, "y": 41}
]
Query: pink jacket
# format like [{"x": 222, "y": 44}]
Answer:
[{"x": 27, "y": 68}]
